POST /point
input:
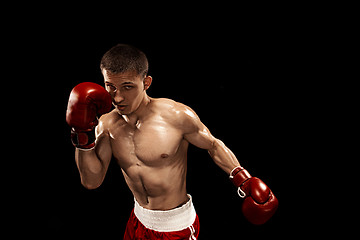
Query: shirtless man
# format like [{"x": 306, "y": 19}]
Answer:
[{"x": 149, "y": 139}]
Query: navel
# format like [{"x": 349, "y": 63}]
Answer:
[{"x": 164, "y": 155}]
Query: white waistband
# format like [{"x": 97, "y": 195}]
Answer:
[{"x": 167, "y": 221}]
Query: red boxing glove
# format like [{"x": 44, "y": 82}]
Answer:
[
  {"x": 86, "y": 101},
  {"x": 260, "y": 203}
]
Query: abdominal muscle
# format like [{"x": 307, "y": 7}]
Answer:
[{"x": 157, "y": 188}]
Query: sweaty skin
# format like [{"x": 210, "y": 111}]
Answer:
[{"x": 149, "y": 139}]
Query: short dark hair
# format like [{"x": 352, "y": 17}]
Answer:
[{"x": 122, "y": 58}]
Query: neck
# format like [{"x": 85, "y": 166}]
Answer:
[{"x": 139, "y": 112}]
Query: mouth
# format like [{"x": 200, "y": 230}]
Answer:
[{"x": 121, "y": 107}]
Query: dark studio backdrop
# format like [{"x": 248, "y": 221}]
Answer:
[{"x": 242, "y": 81}]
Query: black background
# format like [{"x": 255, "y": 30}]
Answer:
[{"x": 244, "y": 75}]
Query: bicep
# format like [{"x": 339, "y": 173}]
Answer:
[
  {"x": 201, "y": 138},
  {"x": 197, "y": 133},
  {"x": 102, "y": 146}
]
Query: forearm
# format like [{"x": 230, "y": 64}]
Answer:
[
  {"x": 223, "y": 156},
  {"x": 90, "y": 168}
]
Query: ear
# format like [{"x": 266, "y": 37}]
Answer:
[{"x": 147, "y": 82}]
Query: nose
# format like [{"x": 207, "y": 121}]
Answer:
[{"x": 118, "y": 98}]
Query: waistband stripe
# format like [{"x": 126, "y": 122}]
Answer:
[{"x": 167, "y": 221}]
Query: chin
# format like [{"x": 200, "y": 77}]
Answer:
[{"x": 123, "y": 112}]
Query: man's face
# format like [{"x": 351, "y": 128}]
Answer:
[{"x": 127, "y": 90}]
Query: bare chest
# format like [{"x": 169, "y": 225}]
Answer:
[{"x": 152, "y": 142}]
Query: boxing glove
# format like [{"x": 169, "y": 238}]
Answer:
[
  {"x": 260, "y": 204},
  {"x": 87, "y": 101}
]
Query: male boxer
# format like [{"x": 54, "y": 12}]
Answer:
[{"x": 149, "y": 138}]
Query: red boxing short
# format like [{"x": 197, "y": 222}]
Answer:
[{"x": 174, "y": 224}]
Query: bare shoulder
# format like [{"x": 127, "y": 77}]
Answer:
[
  {"x": 107, "y": 120},
  {"x": 176, "y": 113},
  {"x": 170, "y": 108}
]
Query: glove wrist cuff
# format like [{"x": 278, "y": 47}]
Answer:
[
  {"x": 83, "y": 139},
  {"x": 238, "y": 176}
]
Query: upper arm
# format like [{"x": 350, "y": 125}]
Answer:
[
  {"x": 195, "y": 132},
  {"x": 102, "y": 146}
]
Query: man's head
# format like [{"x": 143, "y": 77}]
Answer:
[
  {"x": 123, "y": 58},
  {"x": 125, "y": 68}
]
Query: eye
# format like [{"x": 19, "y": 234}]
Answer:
[
  {"x": 111, "y": 88},
  {"x": 128, "y": 87}
]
